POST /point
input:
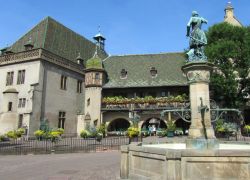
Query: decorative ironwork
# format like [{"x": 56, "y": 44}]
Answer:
[
  {"x": 184, "y": 113},
  {"x": 217, "y": 113}
]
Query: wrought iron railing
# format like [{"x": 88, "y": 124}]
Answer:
[
  {"x": 64, "y": 145},
  {"x": 143, "y": 106}
]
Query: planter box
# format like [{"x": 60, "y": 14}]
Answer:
[{"x": 170, "y": 134}]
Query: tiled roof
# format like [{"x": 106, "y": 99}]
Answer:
[
  {"x": 168, "y": 66},
  {"x": 58, "y": 39}
]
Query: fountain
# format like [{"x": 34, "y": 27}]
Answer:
[{"x": 202, "y": 156}]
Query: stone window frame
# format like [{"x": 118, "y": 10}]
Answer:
[
  {"x": 97, "y": 76},
  {"x": 9, "y": 78},
  {"x": 61, "y": 119},
  {"x": 63, "y": 84},
  {"x": 79, "y": 86},
  {"x": 21, "y": 76},
  {"x": 123, "y": 74},
  {"x": 88, "y": 102},
  {"x": 10, "y": 106},
  {"x": 21, "y": 102}
]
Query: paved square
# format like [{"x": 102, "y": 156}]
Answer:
[{"x": 77, "y": 166}]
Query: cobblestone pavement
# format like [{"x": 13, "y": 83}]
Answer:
[{"x": 77, "y": 166}]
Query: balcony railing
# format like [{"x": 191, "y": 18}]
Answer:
[{"x": 143, "y": 106}]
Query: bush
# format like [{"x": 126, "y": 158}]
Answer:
[
  {"x": 54, "y": 135},
  {"x": 133, "y": 132},
  {"x": 11, "y": 134},
  {"x": 246, "y": 129},
  {"x": 102, "y": 129},
  {"x": 60, "y": 131},
  {"x": 21, "y": 131},
  {"x": 3, "y": 138},
  {"x": 84, "y": 134},
  {"x": 171, "y": 125},
  {"x": 39, "y": 134},
  {"x": 161, "y": 133},
  {"x": 222, "y": 127}
]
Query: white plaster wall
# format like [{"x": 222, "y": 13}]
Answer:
[
  {"x": 94, "y": 109},
  {"x": 8, "y": 121}
]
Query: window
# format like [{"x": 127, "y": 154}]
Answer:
[
  {"x": 9, "y": 78},
  {"x": 95, "y": 122},
  {"x": 10, "y": 106},
  {"x": 88, "y": 102},
  {"x": 63, "y": 82},
  {"x": 20, "y": 121},
  {"x": 163, "y": 93},
  {"x": 21, "y": 102},
  {"x": 79, "y": 86},
  {"x": 21, "y": 77},
  {"x": 97, "y": 76},
  {"x": 153, "y": 72},
  {"x": 124, "y": 74},
  {"x": 61, "y": 119}
]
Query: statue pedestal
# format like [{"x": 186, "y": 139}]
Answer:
[{"x": 201, "y": 132}]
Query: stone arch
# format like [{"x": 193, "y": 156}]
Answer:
[
  {"x": 161, "y": 123},
  {"x": 118, "y": 124}
]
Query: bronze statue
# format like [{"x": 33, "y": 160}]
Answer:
[{"x": 197, "y": 38}]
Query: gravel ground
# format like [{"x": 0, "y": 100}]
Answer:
[{"x": 77, "y": 166}]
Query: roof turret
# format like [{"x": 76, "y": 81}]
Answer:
[{"x": 95, "y": 62}]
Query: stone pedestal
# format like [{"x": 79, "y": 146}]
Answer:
[{"x": 198, "y": 76}]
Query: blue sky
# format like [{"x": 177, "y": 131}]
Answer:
[{"x": 130, "y": 26}]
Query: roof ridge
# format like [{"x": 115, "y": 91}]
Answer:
[
  {"x": 30, "y": 30},
  {"x": 122, "y": 55}
]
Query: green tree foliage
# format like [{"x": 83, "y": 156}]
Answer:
[{"x": 229, "y": 49}]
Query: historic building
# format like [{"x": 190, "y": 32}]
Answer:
[{"x": 57, "y": 76}]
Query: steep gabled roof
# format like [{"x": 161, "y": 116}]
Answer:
[
  {"x": 58, "y": 39},
  {"x": 168, "y": 66}
]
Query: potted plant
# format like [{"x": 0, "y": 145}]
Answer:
[
  {"x": 39, "y": 134},
  {"x": 171, "y": 128},
  {"x": 246, "y": 130},
  {"x": 133, "y": 133}
]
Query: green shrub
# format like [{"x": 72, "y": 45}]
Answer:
[
  {"x": 11, "y": 134},
  {"x": 133, "y": 132},
  {"x": 3, "y": 138},
  {"x": 225, "y": 127},
  {"x": 60, "y": 130},
  {"x": 54, "y": 135},
  {"x": 161, "y": 133},
  {"x": 39, "y": 134},
  {"x": 171, "y": 126},
  {"x": 21, "y": 131},
  {"x": 246, "y": 128},
  {"x": 102, "y": 129},
  {"x": 84, "y": 133}
]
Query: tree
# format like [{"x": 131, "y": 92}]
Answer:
[{"x": 229, "y": 49}]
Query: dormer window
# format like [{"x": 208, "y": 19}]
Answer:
[
  {"x": 28, "y": 45},
  {"x": 153, "y": 72},
  {"x": 124, "y": 74}
]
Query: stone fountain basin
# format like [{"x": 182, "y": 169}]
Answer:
[
  {"x": 175, "y": 162},
  {"x": 178, "y": 146}
]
